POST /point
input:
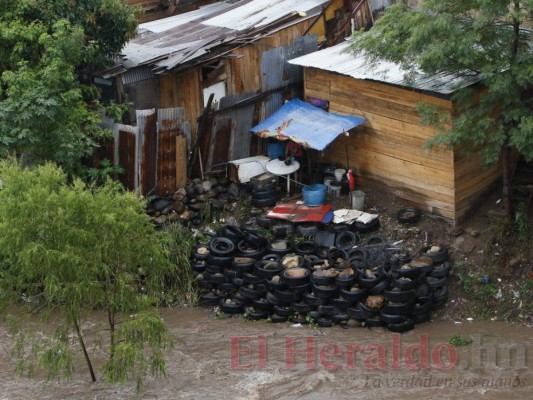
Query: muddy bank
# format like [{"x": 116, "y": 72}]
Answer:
[{"x": 216, "y": 358}]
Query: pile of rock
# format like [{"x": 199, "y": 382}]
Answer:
[{"x": 190, "y": 203}]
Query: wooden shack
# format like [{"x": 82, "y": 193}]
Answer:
[
  {"x": 390, "y": 148},
  {"x": 238, "y": 52}
]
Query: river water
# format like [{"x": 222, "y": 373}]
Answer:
[{"x": 236, "y": 359}]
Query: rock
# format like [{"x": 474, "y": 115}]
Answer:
[
  {"x": 210, "y": 194},
  {"x": 178, "y": 206},
  {"x": 375, "y": 302},
  {"x": 198, "y": 188},
  {"x": 198, "y": 206},
  {"x": 421, "y": 262},
  {"x": 223, "y": 181},
  {"x": 352, "y": 323},
  {"x": 201, "y": 197},
  {"x": 207, "y": 185},
  {"x": 173, "y": 217},
  {"x": 475, "y": 233},
  {"x": 179, "y": 194},
  {"x": 217, "y": 203},
  {"x": 458, "y": 242},
  {"x": 233, "y": 190},
  {"x": 161, "y": 219},
  {"x": 185, "y": 216},
  {"x": 196, "y": 181},
  {"x": 515, "y": 262}
]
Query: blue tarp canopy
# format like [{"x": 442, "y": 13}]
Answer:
[{"x": 306, "y": 124}]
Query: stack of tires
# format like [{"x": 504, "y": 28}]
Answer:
[
  {"x": 264, "y": 195},
  {"x": 357, "y": 283}
]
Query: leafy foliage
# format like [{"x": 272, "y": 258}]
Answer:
[
  {"x": 68, "y": 249},
  {"x": 47, "y": 49},
  {"x": 476, "y": 38}
]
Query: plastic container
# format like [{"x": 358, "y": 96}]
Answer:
[
  {"x": 335, "y": 189},
  {"x": 275, "y": 149},
  {"x": 357, "y": 199},
  {"x": 339, "y": 172},
  {"x": 314, "y": 195}
]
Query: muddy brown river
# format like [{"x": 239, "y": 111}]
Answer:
[{"x": 236, "y": 359}]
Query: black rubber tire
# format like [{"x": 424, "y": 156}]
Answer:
[
  {"x": 440, "y": 294},
  {"x": 350, "y": 296},
  {"x": 255, "y": 239},
  {"x": 440, "y": 270},
  {"x": 220, "y": 261},
  {"x": 422, "y": 318},
  {"x": 250, "y": 294},
  {"x": 282, "y": 229},
  {"x": 306, "y": 248},
  {"x": 324, "y": 322},
  {"x": 216, "y": 279},
  {"x": 376, "y": 240},
  {"x": 251, "y": 278},
  {"x": 262, "y": 304},
  {"x": 355, "y": 313},
  {"x": 401, "y": 327},
  {"x": 373, "y": 322},
  {"x": 283, "y": 311},
  {"x": 436, "y": 283},
  {"x": 271, "y": 257},
  {"x": 232, "y": 233},
  {"x": 346, "y": 282},
  {"x": 213, "y": 269},
  {"x": 367, "y": 228},
  {"x": 264, "y": 193},
  {"x": 250, "y": 250},
  {"x": 307, "y": 229},
  {"x": 292, "y": 282},
  {"x": 326, "y": 292},
  {"x": 243, "y": 264},
  {"x": 347, "y": 240},
  {"x": 301, "y": 307},
  {"x": 340, "y": 303},
  {"x": 281, "y": 252},
  {"x": 438, "y": 257},
  {"x": 203, "y": 284},
  {"x": 380, "y": 287},
  {"x": 312, "y": 300},
  {"x": 230, "y": 308},
  {"x": 368, "y": 312},
  {"x": 263, "y": 221},
  {"x": 267, "y": 269},
  {"x": 340, "y": 318},
  {"x": 398, "y": 308},
  {"x": 250, "y": 225},
  {"x": 231, "y": 273},
  {"x": 408, "y": 215},
  {"x": 226, "y": 287},
  {"x": 401, "y": 296},
  {"x": 421, "y": 309},
  {"x": 403, "y": 284},
  {"x": 199, "y": 267},
  {"x": 200, "y": 256},
  {"x": 255, "y": 315},
  {"x": 264, "y": 202},
  {"x": 261, "y": 287},
  {"x": 334, "y": 253},
  {"x": 276, "y": 319},
  {"x": 287, "y": 297},
  {"x": 392, "y": 318},
  {"x": 264, "y": 187},
  {"x": 221, "y": 247},
  {"x": 301, "y": 289},
  {"x": 209, "y": 299},
  {"x": 321, "y": 281},
  {"x": 275, "y": 285}
]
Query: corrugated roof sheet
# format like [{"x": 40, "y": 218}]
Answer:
[
  {"x": 166, "y": 43},
  {"x": 260, "y": 13},
  {"x": 334, "y": 59},
  {"x": 306, "y": 124}
]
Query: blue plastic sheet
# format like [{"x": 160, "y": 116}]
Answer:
[{"x": 306, "y": 124}]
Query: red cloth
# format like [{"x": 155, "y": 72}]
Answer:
[{"x": 294, "y": 149}]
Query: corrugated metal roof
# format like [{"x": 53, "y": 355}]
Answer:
[
  {"x": 334, "y": 59},
  {"x": 260, "y": 13},
  {"x": 165, "y": 24},
  {"x": 166, "y": 43}
]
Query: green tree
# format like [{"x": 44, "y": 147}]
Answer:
[
  {"x": 49, "y": 110},
  {"x": 70, "y": 249},
  {"x": 481, "y": 38}
]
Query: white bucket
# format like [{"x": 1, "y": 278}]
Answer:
[
  {"x": 334, "y": 189},
  {"x": 358, "y": 199},
  {"x": 339, "y": 173}
]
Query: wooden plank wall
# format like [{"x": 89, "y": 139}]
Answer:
[
  {"x": 182, "y": 89},
  {"x": 389, "y": 147}
]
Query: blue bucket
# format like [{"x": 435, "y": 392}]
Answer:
[
  {"x": 275, "y": 149},
  {"x": 314, "y": 195}
]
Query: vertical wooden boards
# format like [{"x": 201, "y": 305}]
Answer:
[
  {"x": 127, "y": 154},
  {"x": 181, "y": 161}
]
